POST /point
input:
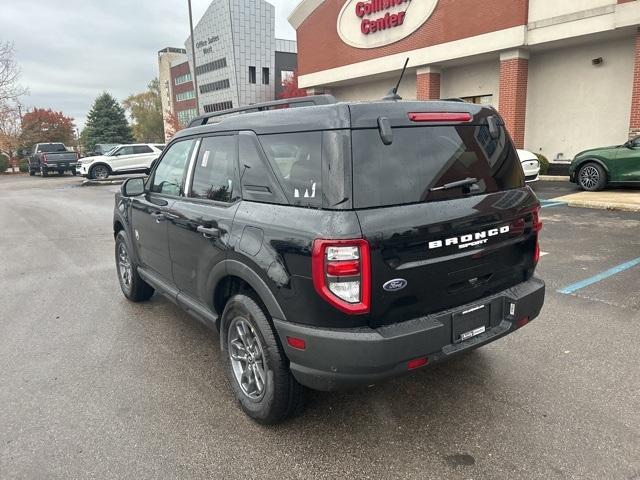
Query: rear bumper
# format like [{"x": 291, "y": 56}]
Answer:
[{"x": 337, "y": 359}]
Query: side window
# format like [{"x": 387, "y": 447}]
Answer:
[
  {"x": 127, "y": 150},
  {"x": 297, "y": 158},
  {"x": 215, "y": 174},
  {"x": 142, "y": 149},
  {"x": 257, "y": 179},
  {"x": 169, "y": 173}
]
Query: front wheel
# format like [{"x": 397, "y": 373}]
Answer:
[
  {"x": 592, "y": 177},
  {"x": 99, "y": 172},
  {"x": 256, "y": 366},
  {"x": 132, "y": 285}
]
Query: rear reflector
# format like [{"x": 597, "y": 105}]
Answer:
[
  {"x": 417, "y": 363},
  {"x": 297, "y": 343},
  {"x": 440, "y": 117},
  {"x": 522, "y": 322}
]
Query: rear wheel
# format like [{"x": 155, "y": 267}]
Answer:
[
  {"x": 99, "y": 172},
  {"x": 32, "y": 172},
  {"x": 45, "y": 172},
  {"x": 592, "y": 177},
  {"x": 256, "y": 366},
  {"x": 60, "y": 172},
  {"x": 74, "y": 172},
  {"x": 132, "y": 285}
]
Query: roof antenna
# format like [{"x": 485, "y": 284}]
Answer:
[{"x": 393, "y": 93}]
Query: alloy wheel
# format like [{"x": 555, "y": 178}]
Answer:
[
  {"x": 124, "y": 265},
  {"x": 247, "y": 358},
  {"x": 589, "y": 177},
  {"x": 100, "y": 172}
]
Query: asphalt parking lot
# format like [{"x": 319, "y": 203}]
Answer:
[{"x": 92, "y": 386}]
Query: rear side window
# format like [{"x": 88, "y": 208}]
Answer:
[
  {"x": 423, "y": 158},
  {"x": 142, "y": 149},
  {"x": 297, "y": 159},
  {"x": 214, "y": 177}
]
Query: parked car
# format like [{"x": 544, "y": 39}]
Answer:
[
  {"x": 52, "y": 157},
  {"x": 337, "y": 244},
  {"x": 596, "y": 168},
  {"x": 137, "y": 158},
  {"x": 530, "y": 165}
]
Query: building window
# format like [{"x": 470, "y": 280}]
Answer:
[
  {"x": 211, "y": 66},
  {"x": 218, "y": 107},
  {"x": 265, "y": 75},
  {"x": 252, "y": 74},
  {"x": 183, "y": 79},
  {"x": 285, "y": 75},
  {"x": 479, "y": 99},
  {"x": 181, "y": 97},
  {"x": 185, "y": 116},
  {"x": 215, "y": 86}
]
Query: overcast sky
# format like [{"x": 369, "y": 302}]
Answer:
[{"x": 72, "y": 50}]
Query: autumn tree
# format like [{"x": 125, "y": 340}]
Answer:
[
  {"x": 40, "y": 125},
  {"x": 106, "y": 123},
  {"x": 173, "y": 125},
  {"x": 290, "y": 87},
  {"x": 9, "y": 130},
  {"x": 146, "y": 112}
]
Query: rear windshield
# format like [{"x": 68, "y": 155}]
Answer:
[
  {"x": 423, "y": 158},
  {"x": 51, "y": 148}
]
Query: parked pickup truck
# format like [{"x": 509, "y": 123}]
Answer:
[{"x": 52, "y": 157}]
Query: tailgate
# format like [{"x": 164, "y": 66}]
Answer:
[{"x": 429, "y": 257}]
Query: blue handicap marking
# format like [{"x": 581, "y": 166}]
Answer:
[
  {"x": 552, "y": 203},
  {"x": 574, "y": 287}
]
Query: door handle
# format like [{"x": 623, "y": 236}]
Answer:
[
  {"x": 208, "y": 232},
  {"x": 159, "y": 217}
]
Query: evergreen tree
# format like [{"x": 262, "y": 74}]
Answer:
[{"x": 106, "y": 123}]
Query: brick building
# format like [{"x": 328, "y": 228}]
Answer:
[{"x": 564, "y": 74}]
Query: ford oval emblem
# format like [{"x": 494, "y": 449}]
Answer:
[{"x": 395, "y": 285}]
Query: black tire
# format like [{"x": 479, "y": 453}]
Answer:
[
  {"x": 45, "y": 172},
  {"x": 135, "y": 289},
  {"x": 74, "y": 172},
  {"x": 282, "y": 395},
  {"x": 99, "y": 172},
  {"x": 592, "y": 177},
  {"x": 32, "y": 172},
  {"x": 60, "y": 172}
]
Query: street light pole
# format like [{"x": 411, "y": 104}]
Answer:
[{"x": 193, "y": 58}]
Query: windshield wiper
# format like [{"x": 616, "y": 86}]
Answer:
[{"x": 459, "y": 183}]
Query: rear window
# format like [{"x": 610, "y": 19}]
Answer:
[
  {"x": 423, "y": 158},
  {"x": 51, "y": 148}
]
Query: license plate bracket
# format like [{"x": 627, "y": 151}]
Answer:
[{"x": 470, "y": 322}]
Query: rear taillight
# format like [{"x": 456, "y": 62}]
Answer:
[
  {"x": 440, "y": 117},
  {"x": 537, "y": 226},
  {"x": 342, "y": 274}
]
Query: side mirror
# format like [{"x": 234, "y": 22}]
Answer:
[{"x": 133, "y": 187}]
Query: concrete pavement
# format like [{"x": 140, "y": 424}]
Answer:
[{"x": 93, "y": 386}]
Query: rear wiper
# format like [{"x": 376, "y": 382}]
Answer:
[{"x": 459, "y": 183}]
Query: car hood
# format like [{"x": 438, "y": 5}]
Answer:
[
  {"x": 94, "y": 158},
  {"x": 600, "y": 150}
]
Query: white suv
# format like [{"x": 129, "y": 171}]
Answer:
[{"x": 136, "y": 158}]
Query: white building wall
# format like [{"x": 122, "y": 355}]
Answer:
[
  {"x": 376, "y": 90},
  {"x": 545, "y": 9},
  {"x": 573, "y": 105},
  {"x": 471, "y": 81}
]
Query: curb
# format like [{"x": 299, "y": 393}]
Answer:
[
  {"x": 95, "y": 183},
  {"x": 611, "y": 206},
  {"x": 553, "y": 178}
]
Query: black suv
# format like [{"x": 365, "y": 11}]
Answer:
[{"x": 336, "y": 244}]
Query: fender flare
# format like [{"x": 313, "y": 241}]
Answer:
[
  {"x": 592, "y": 160},
  {"x": 100, "y": 163}
]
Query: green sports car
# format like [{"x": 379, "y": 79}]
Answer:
[{"x": 594, "y": 169}]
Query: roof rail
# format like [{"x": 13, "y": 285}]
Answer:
[{"x": 314, "y": 100}]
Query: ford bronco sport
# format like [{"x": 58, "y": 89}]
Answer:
[{"x": 335, "y": 244}]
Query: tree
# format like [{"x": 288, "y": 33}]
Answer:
[
  {"x": 291, "y": 89},
  {"x": 40, "y": 125},
  {"x": 10, "y": 90},
  {"x": 173, "y": 125},
  {"x": 106, "y": 123},
  {"x": 9, "y": 130},
  {"x": 146, "y": 111}
]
